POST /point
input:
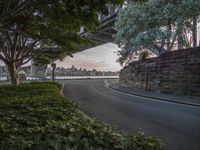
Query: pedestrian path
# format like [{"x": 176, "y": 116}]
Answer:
[{"x": 186, "y": 100}]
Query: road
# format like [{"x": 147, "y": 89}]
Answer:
[{"x": 178, "y": 126}]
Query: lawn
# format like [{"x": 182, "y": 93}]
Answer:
[{"x": 36, "y": 116}]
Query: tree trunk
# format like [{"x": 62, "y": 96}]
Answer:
[
  {"x": 53, "y": 74},
  {"x": 179, "y": 37},
  {"x": 53, "y": 65},
  {"x": 194, "y": 32},
  {"x": 169, "y": 36},
  {"x": 13, "y": 70}
]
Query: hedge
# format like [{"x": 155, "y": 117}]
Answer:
[{"x": 35, "y": 116}]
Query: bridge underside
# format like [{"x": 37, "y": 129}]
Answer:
[{"x": 105, "y": 32}]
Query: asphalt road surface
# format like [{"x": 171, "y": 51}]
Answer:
[{"x": 178, "y": 126}]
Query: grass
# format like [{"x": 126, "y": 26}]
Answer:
[{"x": 35, "y": 116}]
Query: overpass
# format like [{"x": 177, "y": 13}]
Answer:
[{"x": 105, "y": 31}]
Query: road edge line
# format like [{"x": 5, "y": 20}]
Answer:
[{"x": 107, "y": 85}]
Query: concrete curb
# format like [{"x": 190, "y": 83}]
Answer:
[
  {"x": 152, "y": 97},
  {"x": 61, "y": 91}
]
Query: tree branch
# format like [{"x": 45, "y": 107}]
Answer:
[
  {"x": 24, "y": 62},
  {"x": 174, "y": 39},
  {"x": 8, "y": 15},
  {"x": 5, "y": 52},
  {"x": 3, "y": 59}
]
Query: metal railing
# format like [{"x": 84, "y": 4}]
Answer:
[{"x": 41, "y": 78}]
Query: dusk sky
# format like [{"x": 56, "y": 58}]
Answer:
[{"x": 102, "y": 58}]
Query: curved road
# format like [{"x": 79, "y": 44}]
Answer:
[{"x": 177, "y": 126}]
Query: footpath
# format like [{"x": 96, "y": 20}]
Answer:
[{"x": 185, "y": 100}]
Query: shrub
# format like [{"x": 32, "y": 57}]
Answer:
[
  {"x": 143, "y": 55},
  {"x": 36, "y": 116}
]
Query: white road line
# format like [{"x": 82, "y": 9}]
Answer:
[{"x": 152, "y": 99}]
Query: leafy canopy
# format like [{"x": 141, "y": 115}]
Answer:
[
  {"x": 45, "y": 30},
  {"x": 149, "y": 25}
]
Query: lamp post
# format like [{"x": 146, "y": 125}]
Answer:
[{"x": 53, "y": 65}]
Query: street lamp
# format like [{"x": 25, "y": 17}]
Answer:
[{"x": 53, "y": 65}]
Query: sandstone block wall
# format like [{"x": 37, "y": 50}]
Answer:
[{"x": 176, "y": 72}]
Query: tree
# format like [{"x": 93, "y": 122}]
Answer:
[
  {"x": 12, "y": 10},
  {"x": 44, "y": 29},
  {"x": 18, "y": 48},
  {"x": 9, "y": 9},
  {"x": 158, "y": 26}
]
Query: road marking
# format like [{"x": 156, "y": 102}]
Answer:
[{"x": 148, "y": 98}]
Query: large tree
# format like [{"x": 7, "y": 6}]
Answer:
[
  {"x": 76, "y": 11},
  {"x": 18, "y": 48},
  {"x": 41, "y": 28},
  {"x": 156, "y": 25}
]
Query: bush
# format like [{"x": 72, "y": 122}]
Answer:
[
  {"x": 143, "y": 55},
  {"x": 36, "y": 116}
]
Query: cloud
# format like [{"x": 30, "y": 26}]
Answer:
[{"x": 102, "y": 58}]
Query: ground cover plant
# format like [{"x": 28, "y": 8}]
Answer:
[{"x": 36, "y": 116}]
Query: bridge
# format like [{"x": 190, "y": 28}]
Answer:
[{"x": 105, "y": 32}]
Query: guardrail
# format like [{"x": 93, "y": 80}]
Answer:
[
  {"x": 33, "y": 78},
  {"x": 82, "y": 77}
]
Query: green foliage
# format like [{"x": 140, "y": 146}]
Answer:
[
  {"x": 143, "y": 55},
  {"x": 45, "y": 30},
  {"x": 66, "y": 14},
  {"x": 155, "y": 25},
  {"x": 36, "y": 116}
]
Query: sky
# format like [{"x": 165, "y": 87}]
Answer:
[{"x": 102, "y": 58}]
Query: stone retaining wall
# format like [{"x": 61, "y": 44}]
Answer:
[{"x": 176, "y": 72}]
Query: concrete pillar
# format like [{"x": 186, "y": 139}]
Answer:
[{"x": 33, "y": 68}]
